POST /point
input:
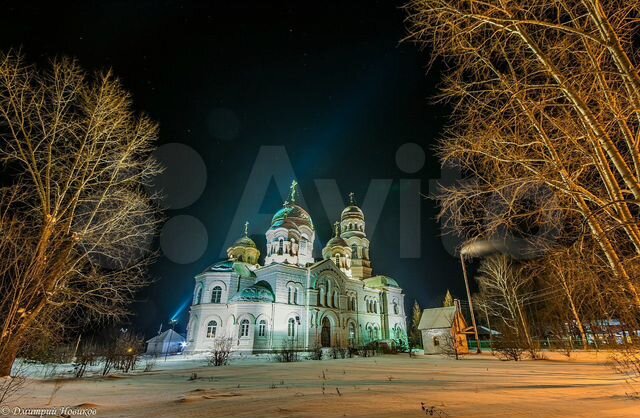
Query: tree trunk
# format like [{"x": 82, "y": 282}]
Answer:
[{"x": 7, "y": 358}]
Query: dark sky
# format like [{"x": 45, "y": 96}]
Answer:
[{"x": 329, "y": 81}]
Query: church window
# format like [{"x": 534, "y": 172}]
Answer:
[
  {"x": 198, "y": 295},
  {"x": 262, "y": 328},
  {"x": 281, "y": 247},
  {"x": 295, "y": 296},
  {"x": 289, "y": 295},
  {"x": 337, "y": 260},
  {"x": 291, "y": 329},
  {"x": 395, "y": 308},
  {"x": 216, "y": 294},
  {"x": 436, "y": 341},
  {"x": 354, "y": 251},
  {"x": 352, "y": 334},
  {"x": 244, "y": 328},
  {"x": 336, "y": 300},
  {"x": 303, "y": 246},
  {"x": 350, "y": 227},
  {"x": 370, "y": 331},
  {"x": 375, "y": 307},
  {"x": 212, "y": 326},
  {"x": 376, "y": 332}
]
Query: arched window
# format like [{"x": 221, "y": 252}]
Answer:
[
  {"x": 336, "y": 299},
  {"x": 262, "y": 328},
  {"x": 216, "y": 294},
  {"x": 337, "y": 260},
  {"x": 244, "y": 328},
  {"x": 198, "y": 295},
  {"x": 354, "y": 251},
  {"x": 350, "y": 227},
  {"x": 291, "y": 328},
  {"x": 395, "y": 308},
  {"x": 353, "y": 303},
  {"x": 281, "y": 246},
  {"x": 303, "y": 246},
  {"x": 295, "y": 295},
  {"x": 352, "y": 334},
  {"x": 375, "y": 307},
  {"x": 370, "y": 331},
  {"x": 320, "y": 297},
  {"x": 289, "y": 295},
  {"x": 436, "y": 341},
  {"x": 212, "y": 326},
  {"x": 376, "y": 332}
]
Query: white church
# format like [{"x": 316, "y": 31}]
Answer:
[{"x": 293, "y": 298}]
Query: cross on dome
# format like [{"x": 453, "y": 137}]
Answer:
[
  {"x": 351, "y": 199},
  {"x": 293, "y": 191},
  {"x": 246, "y": 229}
]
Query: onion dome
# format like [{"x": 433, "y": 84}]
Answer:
[
  {"x": 259, "y": 292},
  {"x": 337, "y": 241},
  {"x": 352, "y": 211},
  {"x": 244, "y": 249},
  {"x": 291, "y": 215}
]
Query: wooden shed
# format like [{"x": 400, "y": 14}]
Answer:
[{"x": 440, "y": 327}]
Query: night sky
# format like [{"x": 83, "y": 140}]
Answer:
[{"x": 330, "y": 82}]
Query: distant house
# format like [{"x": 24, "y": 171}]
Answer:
[
  {"x": 439, "y": 326},
  {"x": 169, "y": 342}
]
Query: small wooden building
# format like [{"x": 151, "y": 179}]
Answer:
[{"x": 440, "y": 328}]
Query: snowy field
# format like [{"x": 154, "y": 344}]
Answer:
[{"x": 383, "y": 386}]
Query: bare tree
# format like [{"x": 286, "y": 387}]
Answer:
[
  {"x": 219, "y": 355},
  {"x": 546, "y": 101},
  {"x": 75, "y": 221},
  {"x": 503, "y": 288}
]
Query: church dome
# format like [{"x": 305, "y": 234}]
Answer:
[
  {"x": 336, "y": 242},
  {"x": 259, "y": 292},
  {"x": 352, "y": 211},
  {"x": 244, "y": 242},
  {"x": 291, "y": 215},
  {"x": 244, "y": 249}
]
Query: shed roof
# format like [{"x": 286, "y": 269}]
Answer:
[
  {"x": 437, "y": 318},
  {"x": 167, "y": 336}
]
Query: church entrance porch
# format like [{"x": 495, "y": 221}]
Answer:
[{"x": 325, "y": 334}]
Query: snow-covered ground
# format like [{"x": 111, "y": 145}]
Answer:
[{"x": 383, "y": 386}]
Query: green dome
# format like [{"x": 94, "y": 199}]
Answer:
[
  {"x": 259, "y": 292},
  {"x": 244, "y": 242},
  {"x": 225, "y": 265},
  {"x": 381, "y": 281},
  {"x": 289, "y": 215}
]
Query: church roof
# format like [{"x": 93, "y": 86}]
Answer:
[
  {"x": 291, "y": 214},
  {"x": 244, "y": 242},
  {"x": 259, "y": 292},
  {"x": 240, "y": 268},
  {"x": 381, "y": 281}
]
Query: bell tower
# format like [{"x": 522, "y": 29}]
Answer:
[{"x": 352, "y": 231}]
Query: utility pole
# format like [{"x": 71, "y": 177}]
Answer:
[{"x": 473, "y": 316}]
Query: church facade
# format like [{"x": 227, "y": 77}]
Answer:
[{"x": 292, "y": 298}]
